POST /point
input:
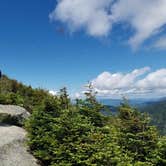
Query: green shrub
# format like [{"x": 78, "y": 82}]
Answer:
[
  {"x": 69, "y": 136},
  {"x": 8, "y": 119},
  {"x": 63, "y": 134},
  {"x": 15, "y": 93}
]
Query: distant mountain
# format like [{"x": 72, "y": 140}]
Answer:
[
  {"x": 110, "y": 110},
  {"x": 113, "y": 104},
  {"x": 110, "y": 102},
  {"x": 157, "y": 110},
  {"x": 133, "y": 102}
]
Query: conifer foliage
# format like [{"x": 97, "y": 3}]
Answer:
[
  {"x": 66, "y": 134},
  {"x": 61, "y": 133}
]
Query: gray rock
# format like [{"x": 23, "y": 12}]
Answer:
[
  {"x": 13, "y": 150},
  {"x": 13, "y": 114}
]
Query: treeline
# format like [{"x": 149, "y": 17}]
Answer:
[
  {"x": 14, "y": 92},
  {"x": 65, "y": 134},
  {"x": 157, "y": 111}
]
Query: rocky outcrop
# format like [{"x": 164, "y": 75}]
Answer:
[
  {"x": 13, "y": 148},
  {"x": 13, "y": 114}
]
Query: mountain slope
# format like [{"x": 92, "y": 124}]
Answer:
[
  {"x": 157, "y": 110},
  {"x": 15, "y": 93}
]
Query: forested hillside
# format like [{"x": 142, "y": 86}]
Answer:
[
  {"x": 14, "y": 92},
  {"x": 65, "y": 134},
  {"x": 157, "y": 110}
]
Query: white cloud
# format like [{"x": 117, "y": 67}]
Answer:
[
  {"x": 89, "y": 14},
  {"x": 154, "y": 80},
  {"x": 147, "y": 17},
  {"x": 77, "y": 95},
  {"x": 52, "y": 92},
  {"x": 138, "y": 83},
  {"x": 96, "y": 17}
]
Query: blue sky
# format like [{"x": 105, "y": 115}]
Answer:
[{"x": 35, "y": 51}]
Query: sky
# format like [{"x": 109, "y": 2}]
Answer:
[{"x": 118, "y": 45}]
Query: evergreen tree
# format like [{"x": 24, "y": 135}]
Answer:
[
  {"x": 69, "y": 136},
  {"x": 138, "y": 138}
]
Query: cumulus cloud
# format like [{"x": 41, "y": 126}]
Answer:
[
  {"x": 52, "y": 92},
  {"x": 89, "y": 14},
  {"x": 77, "y": 95},
  {"x": 96, "y": 17},
  {"x": 138, "y": 83},
  {"x": 146, "y": 17}
]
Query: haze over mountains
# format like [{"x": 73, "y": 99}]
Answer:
[
  {"x": 156, "y": 108},
  {"x": 133, "y": 102}
]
